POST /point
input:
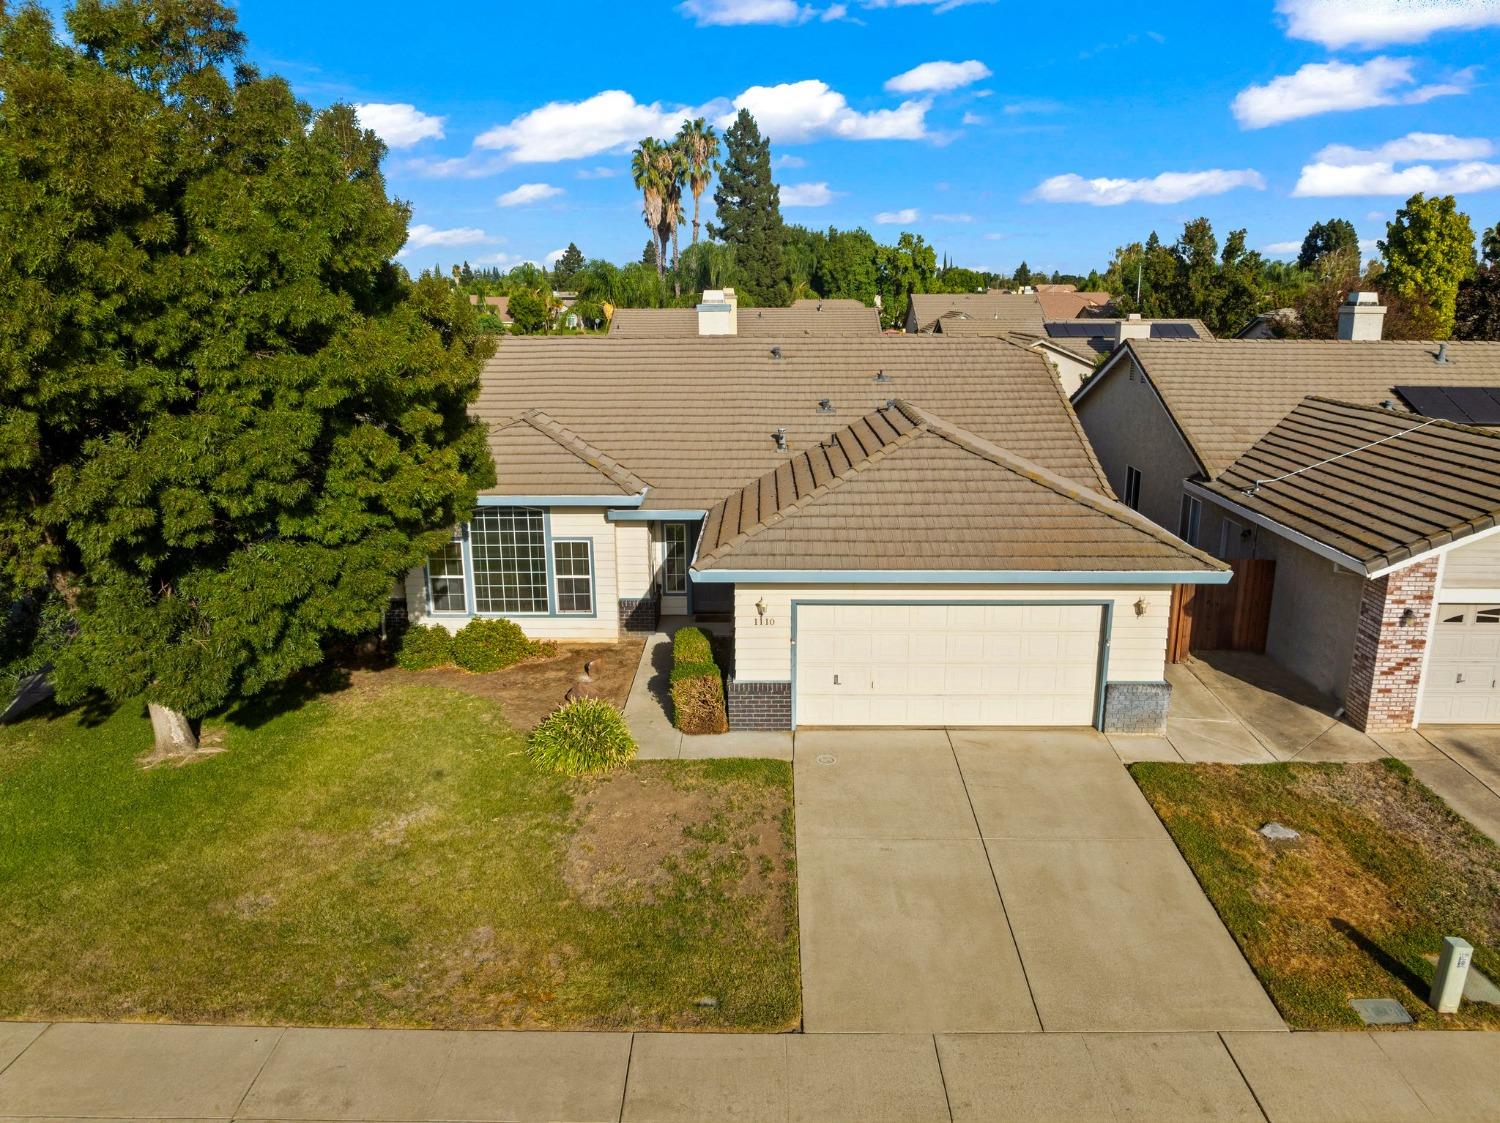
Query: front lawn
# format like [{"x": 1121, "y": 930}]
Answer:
[
  {"x": 386, "y": 856},
  {"x": 1383, "y": 871}
]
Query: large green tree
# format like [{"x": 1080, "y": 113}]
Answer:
[
  {"x": 1337, "y": 235},
  {"x": 1477, "y": 309},
  {"x": 568, "y": 265},
  {"x": 907, "y": 267},
  {"x": 228, "y": 423},
  {"x": 1428, "y": 250},
  {"x": 749, "y": 207}
]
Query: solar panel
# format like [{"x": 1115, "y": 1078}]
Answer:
[
  {"x": 1468, "y": 405},
  {"x": 1173, "y": 331},
  {"x": 1068, "y": 329}
]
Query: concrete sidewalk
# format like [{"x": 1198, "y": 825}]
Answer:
[{"x": 80, "y": 1071}]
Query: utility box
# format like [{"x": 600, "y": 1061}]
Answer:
[{"x": 1452, "y": 973}]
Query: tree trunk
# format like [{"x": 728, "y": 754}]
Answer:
[
  {"x": 173, "y": 730},
  {"x": 676, "y": 275},
  {"x": 696, "y": 201}
]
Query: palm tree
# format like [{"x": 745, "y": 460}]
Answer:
[
  {"x": 672, "y": 168},
  {"x": 646, "y": 171},
  {"x": 700, "y": 144}
]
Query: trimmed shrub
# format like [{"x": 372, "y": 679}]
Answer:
[
  {"x": 581, "y": 738},
  {"x": 698, "y": 699},
  {"x": 422, "y": 647},
  {"x": 489, "y": 645},
  {"x": 690, "y": 645}
]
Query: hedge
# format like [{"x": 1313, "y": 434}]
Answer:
[
  {"x": 490, "y": 645},
  {"x": 422, "y": 647},
  {"x": 697, "y": 684},
  {"x": 690, "y": 645}
]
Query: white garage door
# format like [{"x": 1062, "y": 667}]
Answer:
[
  {"x": 1464, "y": 668},
  {"x": 947, "y": 664}
]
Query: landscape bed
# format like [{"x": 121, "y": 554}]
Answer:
[
  {"x": 386, "y": 856},
  {"x": 1382, "y": 872}
]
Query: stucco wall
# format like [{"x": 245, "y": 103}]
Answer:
[
  {"x": 1071, "y": 371},
  {"x": 763, "y": 651},
  {"x": 1127, "y": 424}
]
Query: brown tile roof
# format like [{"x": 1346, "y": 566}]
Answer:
[
  {"x": 834, "y": 318},
  {"x": 1227, "y": 394},
  {"x": 828, "y": 302},
  {"x": 1017, "y": 311},
  {"x": 497, "y": 306},
  {"x": 902, "y": 489},
  {"x": 534, "y": 455},
  {"x": 694, "y": 418},
  {"x": 1376, "y": 484},
  {"x": 1061, "y": 305}
]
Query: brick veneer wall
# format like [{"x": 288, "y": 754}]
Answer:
[
  {"x": 1136, "y": 707},
  {"x": 759, "y": 705},
  {"x": 639, "y": 614},
  {"x": 1387, "y": 666}
]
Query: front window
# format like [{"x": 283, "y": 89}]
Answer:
[
  {"x": 575, "y": 576},
  {"x": 445, "y": 576},
  {"x": 675, "y": 561},
  {"x": 509, "y": 550}
]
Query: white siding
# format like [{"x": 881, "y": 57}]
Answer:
[
  {"x": 633, "y": 565},
  {"x": 763, "y": 650},
  {"x": 1473, "y": 566}
]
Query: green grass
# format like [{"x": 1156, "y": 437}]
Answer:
[
  {"x": 1383, "y": 872},
  {"x": 384, "y": 856}
]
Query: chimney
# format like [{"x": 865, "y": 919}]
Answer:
[
  {"x": 1361, "y": 316},
  {"x": 718, "y": 314},
  {"x": 1132, "y": 327}
]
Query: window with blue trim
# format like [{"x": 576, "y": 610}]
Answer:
[
  {"x": 675, "y": 558},
  {"x": 508, "y": 548},
  {"x": 445, "y": 576},
  {"x": 574, "y": 571}
]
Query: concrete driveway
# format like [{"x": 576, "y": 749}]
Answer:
[{"x": 1000, "y": 880}]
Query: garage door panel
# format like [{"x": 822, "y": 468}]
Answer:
[
  {"x": 1462, "y": 679},
  {"x": 925, "y": 665}
]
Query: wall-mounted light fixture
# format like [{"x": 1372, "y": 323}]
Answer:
[
  {"x": 1141, "y": 606},
  {"x": 1407, "y": 616},
  {"x": 760, "y": 607}
]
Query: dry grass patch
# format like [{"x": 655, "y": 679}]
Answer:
[{"x": 1383, "y": 871}]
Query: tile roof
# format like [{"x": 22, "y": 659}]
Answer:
[
  {"x": 1226, "y": 394},
  {"x": 834, "y": 318},
  {"x": 1062, "y": 305},
  {"x": 1378, "y": 485},
  {"x": 694, "y": 418},
  {"x": 902, "y": 489},
  {"x": 534, "y": 455},
  {"x": 1017, "y": 311}
]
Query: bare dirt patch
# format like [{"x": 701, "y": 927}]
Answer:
[{"x": 533, "y": 688}]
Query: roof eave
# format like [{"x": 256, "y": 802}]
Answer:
[{"x": 962, "y": 576}]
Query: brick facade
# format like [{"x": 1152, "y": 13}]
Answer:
[
  {"x": 639, "y": 614},
  {"x": 759, "y": 705},
  {"x": 1390, "y": 639},
  {"x": 1136, "y": 707}
]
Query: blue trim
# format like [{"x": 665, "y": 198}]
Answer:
[
  {"x": 651, "y": 516},
  {"x": 1106, "y": 634},
  {"x": 960, "y": 577},
  {"x": 593, "y": 580},
  {"x": 627, "y": 501}
]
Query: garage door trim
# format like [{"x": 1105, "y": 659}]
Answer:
[{"x": 1106, "y": 627}]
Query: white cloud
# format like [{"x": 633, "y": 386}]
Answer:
[
  {"x": 1327, "y": 87},
  {"x": 1282, "y": 249},
  {"x": 555, "y": 256},
  {"x": 975, "y": 119},
  {"x": 1341, "y": 169},
  {"x": 528, "y": 193},
  {"x": 807, "y": 195},
  {"x": 738, "y": 13},
  {"x": 398, "y": 124},
  {"x": 904, "y": 216},
  {"x": 1383, "y": 178},
  {"x": 938, "y": 76},
  {"x": 422, "y": 236},
  {"x": 952, "y": 218},
  {"x": 1412, "y": 146},
  {"x": 1168, "y": 187},
  {"x": 788, "y": 161},
  {"x": 793, "y": 112},
  {"x": 598, "y": 173},
  {"x": 567, "y": 130},
  {"x": 938, "y": 6},
  {"x": 1373, "y": 23}
]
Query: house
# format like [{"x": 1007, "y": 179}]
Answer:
[
  {"x": 895, "y": 531},
  {"x": 497, "y": 306},
  {"x": 719, "y": 313},
  {"x": 1382, "y": 556},
  {"x": 1008, "y": 311},
  {"x": 1065, "y": 302}
]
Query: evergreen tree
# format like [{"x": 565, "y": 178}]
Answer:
[
  {"x": 649, "y": 255},
  {"x": 568, "y": 265},
  {"x": 749, "y": 207},
  {"x": 1477, "y": 309},
  {"x": 1490, "y": 243},
  {"x": 1337, "y": 235},
  {"x": 1429, "y": 250},
  {"x": 1023, "y": 275},
  {"x": 228, "y": 423}
]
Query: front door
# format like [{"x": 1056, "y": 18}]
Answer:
[{"x": 674, "y": 548}]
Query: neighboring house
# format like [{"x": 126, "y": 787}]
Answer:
[
  {"x": 497, "y": 306},
  {"x": 1171, "y": 421},
  {"x": 898, "y": 531},
  {"x": 1006, "y": 311},
  {"x": 719, "y": 313},
  {"x": 1064, "y": 302}
]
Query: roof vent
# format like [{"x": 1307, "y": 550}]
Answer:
[
  {"x": 820, "y": 306},
  {"x": 825, "y": 405},
  {"x": 1442, "y": 355},
  {"x": 780, "y": 438},
  {"x": 1388, "y": 404},
  {"x": 881, "y": 376},
  {"x": 776, "y": 351}
]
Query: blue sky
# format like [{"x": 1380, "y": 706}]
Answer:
[{"x": 1046, "y": 134}]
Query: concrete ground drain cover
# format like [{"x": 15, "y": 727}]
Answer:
[
  {"x": 1380, "y": 1011},
  {"x": 825, "y": 758}
]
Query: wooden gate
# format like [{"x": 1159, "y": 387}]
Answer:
[{"x": 1232, "y": 617}]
